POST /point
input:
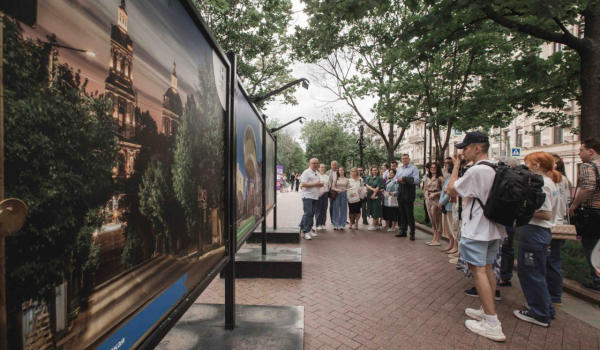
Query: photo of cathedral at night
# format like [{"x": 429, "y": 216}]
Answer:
[
  {"x": 119, "y": 89},
  {"x": 172, "y": 107},
  {"x": 165, "y": 212}
]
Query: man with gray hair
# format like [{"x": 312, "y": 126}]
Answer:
[{"x": 310, "y": 195}]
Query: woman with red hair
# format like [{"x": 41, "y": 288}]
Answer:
[{"x": 534, "y": 240}]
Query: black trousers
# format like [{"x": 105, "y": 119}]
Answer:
[{"x": 407, "y": 217}]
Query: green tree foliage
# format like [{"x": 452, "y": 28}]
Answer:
[
  {"x": 257, "y": 32},
  {"x": 60, "y": 150},
  {"x": 331, "y": 139},
  {"x": 355, "y": 61},
  {"x": 569, "y": 74}
]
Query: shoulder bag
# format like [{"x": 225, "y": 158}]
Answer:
[{"x": 333, "y": 193}]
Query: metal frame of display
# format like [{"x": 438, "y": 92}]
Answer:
[
  {"x": 242, "y": 89},
  {"x": 171, "y": 318}
]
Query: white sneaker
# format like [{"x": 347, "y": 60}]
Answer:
[
  {"x": 371, "y": 228},
  {"x": 390, "y": 230},
  {"x": 307, "y": 236},
  {"x": 313, "y": 234},
  {"x": 485, "y": 330},
  {"x": 476, "y": 314}
]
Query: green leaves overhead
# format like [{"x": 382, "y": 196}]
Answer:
[{"x": 258, "y": 32}]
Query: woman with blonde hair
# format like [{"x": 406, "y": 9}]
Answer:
[
  {"x": 354, "y": 208},
  {"x": 340, "y": 204},
  {"x": 534, "y": 240},
  {"x": 432, "y": 191}
]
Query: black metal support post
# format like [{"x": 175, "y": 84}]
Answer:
[
  {"x": 275, "y": 204},
  {"x": 304, "y": 82},
  {"x": 424, "y": 147},
  {"x": 264, "y": 189},
  {"x": 230, "y": 267}
]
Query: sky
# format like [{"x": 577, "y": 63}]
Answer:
[
  {"x": 310, "y": 102},
  {"x": 161, "y": 35}
]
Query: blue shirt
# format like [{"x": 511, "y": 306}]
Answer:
[{"x": 409, "y": 170}]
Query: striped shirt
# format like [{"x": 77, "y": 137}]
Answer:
[{"x": 587, "y": 180}]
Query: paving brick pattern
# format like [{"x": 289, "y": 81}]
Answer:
[{"x": 370, "y": 290}]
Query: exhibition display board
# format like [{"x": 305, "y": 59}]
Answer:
[
  {"x": 249, "y": 126},
  {"x": 117, "y": 124}
]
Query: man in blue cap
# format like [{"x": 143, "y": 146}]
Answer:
[{"x": 480, "y": 237}]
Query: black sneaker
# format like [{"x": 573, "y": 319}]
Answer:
[
  {"x": 505, "y": 284},
  {"x": 400, "y": 234},
  {"x": 593, "y": 286},
  {"x": 525, "y": 316},
  {"x": 473, "y": 293},
  {"x": 412, "y": 237}
]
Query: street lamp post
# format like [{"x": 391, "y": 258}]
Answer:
[
  {"x": 304, "y": 81},
  {"x": 361, "y": 141},
  {"x": 284, "y": 125}
]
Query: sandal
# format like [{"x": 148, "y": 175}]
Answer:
[{"x": 434, "y": 244}]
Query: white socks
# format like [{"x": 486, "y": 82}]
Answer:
[{"x": 492, "y": 320}]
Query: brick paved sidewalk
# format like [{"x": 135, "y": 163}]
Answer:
[{"x": 371, "y": 290}]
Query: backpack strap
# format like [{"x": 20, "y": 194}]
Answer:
[
  {"x": 493, "y": 166},
  {"x": 597, "y": 174}
]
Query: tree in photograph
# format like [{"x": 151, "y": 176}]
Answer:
[
  {"x": 60, "y": 148},
  {"x": 257, "y": 31},
  {"x": 573, "y": 70},
  {"x": 353, "y": 62}
]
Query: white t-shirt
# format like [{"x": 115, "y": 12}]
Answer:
[
  {"x": 550, "y": 204},
  {"x": 325, "y": 181},
  {"x": 564, "y": 193},
  {"x": 354, "y": 183},
  {"x": 310, "y": 176},
  {"x": 477, "y": 183}
]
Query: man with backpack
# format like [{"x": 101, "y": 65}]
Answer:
[
  {"x": 586, "y": 205},
  {"x": 480, "y": 237}
]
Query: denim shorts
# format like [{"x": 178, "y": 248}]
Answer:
[{"x": 478, "y": 253}]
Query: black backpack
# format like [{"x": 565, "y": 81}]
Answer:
[{"x": 516, "y": 195}]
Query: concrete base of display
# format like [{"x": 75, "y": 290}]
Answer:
[
  {"x": 278, "y": 263},
  {"x": 257, "y": 327},
  {"x": 281, "y": 235}
]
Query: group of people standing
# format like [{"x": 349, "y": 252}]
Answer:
[
  {"x": 480, "y": 247},
  {"x": 293, "y": 180},
  {"x": 387, "y": 195}
]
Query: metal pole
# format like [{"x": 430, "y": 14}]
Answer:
[
  {"x": 230, "y": 267},
  {"x": 424, "y": 146},
  {"x": 3, "y": 332},
  {"x": 361, "y": 145},
  {"x": 275, "y": 204},
  {"x": 264, "y": 189}
]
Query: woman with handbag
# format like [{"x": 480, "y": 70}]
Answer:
[
  {"x": 390, "y": 201},
  {"x": 340, "y": 204},
  {"x": 321, "y": 211},
  {"x": 374, "y": 184},
  {"x": 355, "y": 182},
  {"x": 534, "y": 240},
  {"x": 433, "y": 189}
]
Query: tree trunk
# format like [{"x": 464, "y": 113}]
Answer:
[
  {"x": 390, "y": 155},
  {"x": 590, "y": 77}
]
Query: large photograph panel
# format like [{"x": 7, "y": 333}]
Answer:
[
  {"x": 249, "y": 177},
  {"x": 115, "y": 138}
]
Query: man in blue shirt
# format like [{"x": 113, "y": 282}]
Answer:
[{"x": 408, "y": 177}]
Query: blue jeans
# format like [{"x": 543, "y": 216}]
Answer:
[
  {"x": 554, "y": 276},
  {"x": 533, "y": 246},
  {"x": 321, "y": 212},
  {"x": 309, "y": 206},
  {"x": 508, "y": 255},
  {"x": 340, "y": 210}
]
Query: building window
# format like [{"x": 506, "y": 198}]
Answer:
[
  {"x": 558, "y": 134},
  {"x": 507, "y": 143},
  {"x": 557, "y": 47},
  {"x": 520, "y": 137},
  {"x": 537, "y": 135}
]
